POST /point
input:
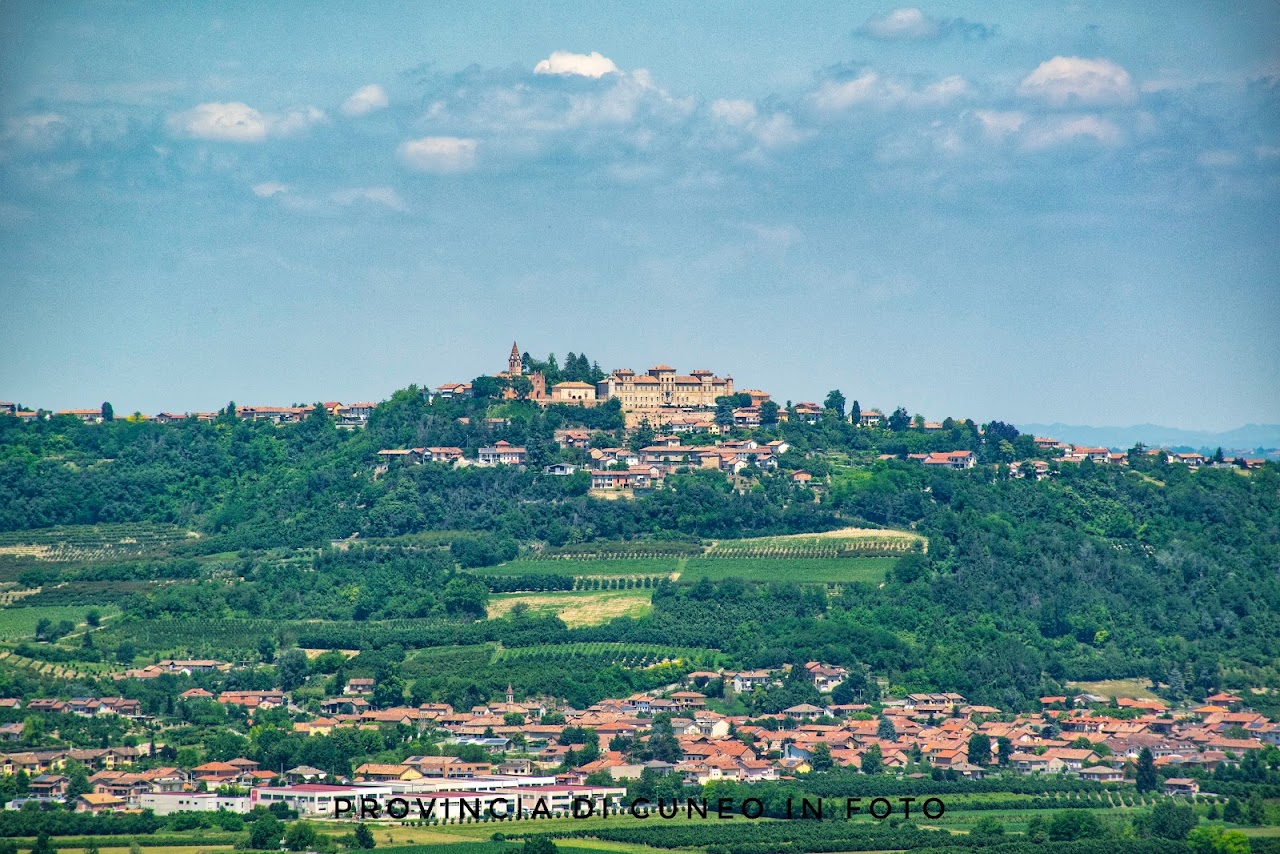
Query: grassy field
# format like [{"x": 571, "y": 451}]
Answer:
[
  {"x": 17, "y": 623},
  {"x": 870, "y": 570},
  {"x": 1135, "y": 689},
  {"x": 576, "y": 608}
]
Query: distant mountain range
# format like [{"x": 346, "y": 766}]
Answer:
[{"x": 1248, "y": 437}]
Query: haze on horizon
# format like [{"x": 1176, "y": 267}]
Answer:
[{"x": 1001, "y": 210}]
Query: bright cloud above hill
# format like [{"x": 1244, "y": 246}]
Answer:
[{"x": 584, "y": 65}]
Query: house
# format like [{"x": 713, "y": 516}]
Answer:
[
  {"x": 749, "y": 680},
  {"x": 516, "y": 768},
  {"x": 574, "y": 392},
  {"x": 96, "y": 803},
  {"x": 825, "y": 678},
  {"x": 1181, "y": 786},
  {"x": 88, "y": 416},
  {"x": 951, "y": 460},
  {"x": 870, "y": 418},
  {"x": 801, "y": 478},
  {"x": 560, "y": 469},
  {"x": 1102, "y": 774},
  {"x": 503, "y": 453},
  {"x": 449, "y": 391},
  {"x": 304, "y": 774},
  {"x": 804, "y": 711},
  {"x": 573, "y": 439},
  {"x": 362, "y": 687},
  {"x": 379, "y": 772},
  {"x": 441, "y": 455}
]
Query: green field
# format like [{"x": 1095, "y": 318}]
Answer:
[
  {"x": 869, "y": 570},
  {"x": 633, "y": 654},
  {"x": 590, "y": 566},
  {"x": 576, "y": 607},
  {"x": 90, "y": 543},
  {"x": 17, "y": 623}
]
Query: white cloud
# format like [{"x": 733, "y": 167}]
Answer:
[
  {"x": 40, "y": 131},
  {"x": 774, "y": 131},
  {"x": 997, "y": 124},
  {"x": 910, "y": 24},
  {"x": 267, "y": 189},
  {"x": 870, "y": 88},
  {"x": 442, "y": 154},
  {"x": 378, "y": 195},
  {"x": 365, "y": 100},
  {"x": 735, "y": 112},
  {"x": 1067, "y": 80},
  {"x": 901, "y": 24},
  {"x": 581, "y": 64},
  {"x": 1059, "y": 131},
  {"x": 238, "y": 122}
]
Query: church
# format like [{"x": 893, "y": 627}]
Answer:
[{"x": 515, "y": 368}]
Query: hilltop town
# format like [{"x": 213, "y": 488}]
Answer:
[{"x": 558, "y": 584}]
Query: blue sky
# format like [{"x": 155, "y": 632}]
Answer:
[{"x": 1035, "y": 212}]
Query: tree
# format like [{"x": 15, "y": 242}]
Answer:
[
  {"x": 768, "y": 414},
  {"x": 1170, "y": 820},
  {"x": 364, "y": 837},
  {"x": 486, "y": 387},
  {"x": 108, "y": 413},
  {"x": 1004, "y": 750},
  {"x": 980, "y": 749},
  {"x": 1232, "y": 812},
  {"x": 855, "y": 413},
  {"x": 539, "y": 845},
  {"x": 643, "y": 436},
  {"x": 1069, "y": 825},
  {"x": 899, "y": 420},
  {"x": 873, "y": 760},
  {"x": 43, "y": 845},
  {"x": 267, "y": 649},
  {"x": 300, "y": 837},
  {"x": 724, "y": 412},
  {"x": 1216, "y": 839},
  {"x": 1255, "y": 812},
  {"x": 835, "y": 402},
  {"x": 821, "y": 759},
  {"x": 522, "y": 386},
  {"x": 125, "y": 653},
  {"x": 291, "y": 669},
  {"x": 265, "y": 833},
  {"x": 885, "y": 730},
  {"x": 1146, "y": 778},
  {"x": 987, "y": 829}
]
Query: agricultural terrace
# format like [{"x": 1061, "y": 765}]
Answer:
[
  {"x": 91, "y": 543},
  {"x": 578, "y": 607}
]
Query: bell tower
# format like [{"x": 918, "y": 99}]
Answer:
[{"x": 515, "y": 365}]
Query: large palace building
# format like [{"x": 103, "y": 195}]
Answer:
[
  {"x": 662, "y": 387},
  {"x": 659, "y": 395}
]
